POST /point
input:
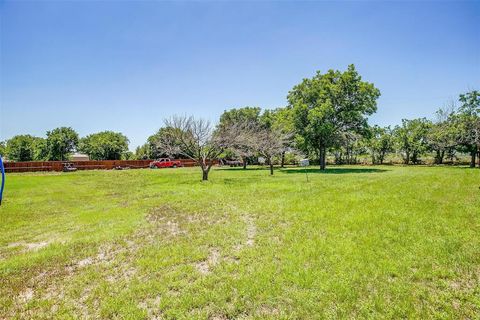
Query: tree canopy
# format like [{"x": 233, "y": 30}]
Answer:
[
  {"x": 23, "y": 148},
  {"x": 231, "y": 120},
  {"x": 330, "y": 104},
  {"x": 468, "y": 121},
  {"x": 411, "y": 138},
  {"x": 60, "y": 143},
  {"x": 195, "y": 139},
  {"x": 105, "y": 145}
]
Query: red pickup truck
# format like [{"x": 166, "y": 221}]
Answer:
[{"x": 165, "y": 163}]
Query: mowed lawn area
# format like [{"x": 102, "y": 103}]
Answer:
[{"x": 353, "y": 242}]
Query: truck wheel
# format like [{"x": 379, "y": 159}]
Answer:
[{"x": 174, "y": 166}]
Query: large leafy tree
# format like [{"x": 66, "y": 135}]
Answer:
[
  {"x": 61, "y": 142},
  {"x": 328, "y": 105},
  {"x": 411, "y": 139},
  {"x": 105, "y": 145},
  {"x": 25, "y": 148},
  {"x": 468, "y": 121}
]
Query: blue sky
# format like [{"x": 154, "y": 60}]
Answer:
[{"x": 125, "y": 66}]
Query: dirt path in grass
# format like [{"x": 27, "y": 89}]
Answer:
[{"x": 115, "y": 263}]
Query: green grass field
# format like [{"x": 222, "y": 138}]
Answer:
[{"x": 354, "y": 242}]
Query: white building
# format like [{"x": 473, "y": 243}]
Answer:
[{"x": 79, "y": 157}]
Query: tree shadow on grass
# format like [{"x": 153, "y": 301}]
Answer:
[
  {"x": 459, "y": 166},
  {"x": 240, "y": 169},
  {"x": 335, "y": 170}
]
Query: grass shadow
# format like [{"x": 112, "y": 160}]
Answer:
[
  {"x": 333, "y": 170},
  {"x": 225, "y": 168}
]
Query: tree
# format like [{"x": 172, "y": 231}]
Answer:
[
  {"x": 21, "y": 147},
  {"x": 280, "y": 120},
  {"x": 330, "y": 104},
  {"x": 444, "y": 134},
  {"x": 143, "y": 152},
  {"x": 348, "y": 146},
  {"x": 233, "y": 118},
  {"x": 380, "y": 143},
  {"x": 105, "y": 145},
  {"x": 196, "y": 140},
  {"x": 411, "y": 138},
  {"x": 269, "y": 142},
  {"x": 153, "y": 151},
  {"x": 468, "y": 121},
  {"x": 2, "y": 148},
  {"x": 60, "y": 142},
  {"x": 128, "y": 155},
  {"x": 40, "y": 149}
]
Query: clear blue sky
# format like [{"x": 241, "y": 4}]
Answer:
[{"x": 125, "y": 66}]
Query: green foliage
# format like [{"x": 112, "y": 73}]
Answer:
[
  {"x": 468, "y": 121},
  {"x": 239, "y": 115},
  {"x": 143, "y": 152},
  {"x": 470, "y": 103},
  {"x": 25, "y": 148},
  {"x": 411, "y": 138},
  {"x": 3, "y": 148},
  {"x": 128, "y": 155},
  {"x": 40, "y": 149},
  {"x": 60, "y": 142},
  {"x": 348, "y": 147},
  {"x": 151, "y": 149},
  {"x": 105, "y": 145},
  {"x": 443, "y": 135},
  {"x": 330, "y": 105},
  {"x": 380, "y": 142},
  {"x": 279, "y": 119}
]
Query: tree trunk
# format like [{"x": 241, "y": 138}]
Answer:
[
  {"x": 407, "y": 157},
  {"x": 282, "y": 164},
  {"x": 205, "y": 171},
  {"x": 473, "y": 155},
  {"x": 478, "y": 156},
  {"x": 322, "y": 158},
  {"x": 439, "y": 156},
  {"x": 414, "y": 158},
  {"x": 244, "y": 163},
  {"x": 270, "y": 164}
]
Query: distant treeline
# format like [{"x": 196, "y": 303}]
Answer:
[
  {"x": 61, "y": 142},
  {"x": 326, "y": 117}
]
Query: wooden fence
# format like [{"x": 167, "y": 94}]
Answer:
[{"x": 32, "y": 166}]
